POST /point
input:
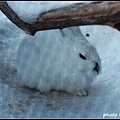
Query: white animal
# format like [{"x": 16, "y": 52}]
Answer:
[{"x": 58, "y": 60}]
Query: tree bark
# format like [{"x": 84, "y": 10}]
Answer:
[{"x": 95, "y": 13}]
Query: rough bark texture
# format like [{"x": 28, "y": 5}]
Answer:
[{"x": 96, "y": 13}]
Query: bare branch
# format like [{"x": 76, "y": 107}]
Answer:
[
  {"x": 96, "y": 13},
  {"x": 26, "y": 27}
]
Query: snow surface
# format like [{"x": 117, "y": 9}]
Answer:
[
  {"x": 17, "y": 101},
  {"x": 35, "y": 8}
]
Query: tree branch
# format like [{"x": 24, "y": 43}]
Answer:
[
  {"x": 96, "y": 13},
  {"x": 26, "y": 27}
]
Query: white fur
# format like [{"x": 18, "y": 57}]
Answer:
[{"x": 50, "y": 60}]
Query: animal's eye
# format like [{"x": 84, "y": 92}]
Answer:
[{"x": 82, "y": 56}]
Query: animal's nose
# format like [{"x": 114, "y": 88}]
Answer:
[{"x": 96, "y": 68}]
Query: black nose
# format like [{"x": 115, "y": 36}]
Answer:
[{"x": 96, "y": 68}]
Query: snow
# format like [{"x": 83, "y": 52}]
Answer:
[
  {"x": 17, "y": 101},
  {"x": 37, "y": 7}
]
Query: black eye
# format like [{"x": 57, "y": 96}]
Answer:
[{"x": 83, "y": 57}]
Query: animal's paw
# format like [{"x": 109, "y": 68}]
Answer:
[{"x": 81, "y": 93}]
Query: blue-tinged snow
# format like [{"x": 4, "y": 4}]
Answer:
[{"x": 17, "y": 101}]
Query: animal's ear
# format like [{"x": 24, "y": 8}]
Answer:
[
  {"x": 76, "y": 31},
  {"x": 71, "y": 31},
  {"x": 72, "y": 34}
]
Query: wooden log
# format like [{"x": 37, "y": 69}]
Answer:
[{"x": 95, "y": 13}]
